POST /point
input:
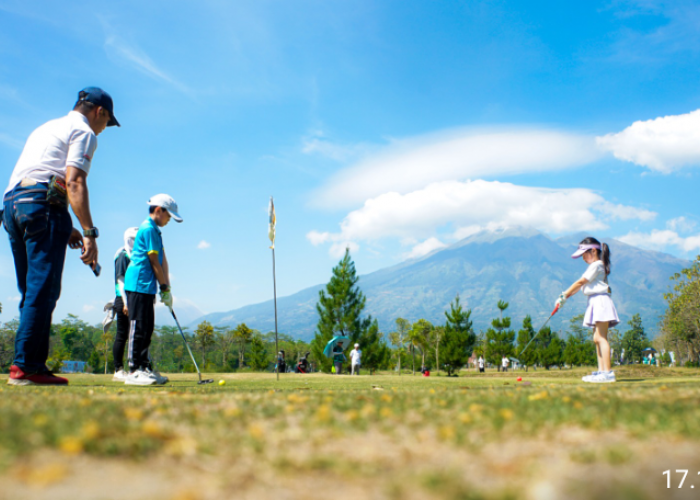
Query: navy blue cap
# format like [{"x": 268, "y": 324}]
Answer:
[{"x": 99, "y": 97}]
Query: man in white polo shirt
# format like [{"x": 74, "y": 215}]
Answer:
[
  {"x": 355, "y": 360},
  {"x": 49, "y": 176}
]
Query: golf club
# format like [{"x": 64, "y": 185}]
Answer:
[
  {"x": 206, "y": 381},
  {"x": 536, "y": 334}
]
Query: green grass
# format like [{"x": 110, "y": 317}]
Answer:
[{"x": 399, "y": 436}]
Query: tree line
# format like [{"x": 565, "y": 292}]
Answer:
[
  {"x": 680, "y": 325},
  {"x": 443, "y": 347}
]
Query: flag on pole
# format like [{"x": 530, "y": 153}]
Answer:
[{"x": 273, "y": 223}]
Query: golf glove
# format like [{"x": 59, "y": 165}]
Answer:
[
  {"x": 167, "y": 298},
  {"x": 560, "y": 301}
]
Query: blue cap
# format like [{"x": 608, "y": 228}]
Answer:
[{"x": 99, "y": 97}]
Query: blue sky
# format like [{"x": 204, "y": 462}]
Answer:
[{"x": 391, "y": 127}]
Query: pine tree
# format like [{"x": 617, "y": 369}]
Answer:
[
  {"x": 499, "y": 338},
  {"x": 580, "y": 349},
  {"x": 549, "y": 348},
  {"x": 339, "y": 308},
  {"x": 525, "y": 335},
  {"x": 375, "y": 352},
  {"x": 458, "y": 340},
  {"x": 635, "y": 339}
]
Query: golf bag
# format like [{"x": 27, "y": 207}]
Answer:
[{"x": 303, "y": 364}]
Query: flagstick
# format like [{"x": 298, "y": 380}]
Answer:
[{"x": 274, "y": 284}]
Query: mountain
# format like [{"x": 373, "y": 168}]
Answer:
[{"x": 522, "y": 266}]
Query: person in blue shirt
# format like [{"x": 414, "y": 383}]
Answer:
[
  {"x": 147, "y": 271},
  {"x": 338, "y": 358}
]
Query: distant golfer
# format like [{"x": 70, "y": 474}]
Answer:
[
  {"x": 600, "y": 313},
  {"x": 338, "y": 358},
  {"x": 50, "y": 175},
  {"x": 355, "y": 360},
  {"x": 121, "y": 311},
  {"x": 281, "y": 362},
  {"x": 481, "y": 364},
  {"x": 148, "y": 269},
  {"x": 504, "y": 363}
]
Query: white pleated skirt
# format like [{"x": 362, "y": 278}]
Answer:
[{"x": 600, "y": 309}]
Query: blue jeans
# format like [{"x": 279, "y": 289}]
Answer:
[{"x": 39, "y": 235}]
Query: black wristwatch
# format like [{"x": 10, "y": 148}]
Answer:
[
  {"x": 93, "y": 232},
  {"x": 164, "y": 287}
]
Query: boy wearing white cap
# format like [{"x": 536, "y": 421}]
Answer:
[
  {"x": 355, "y": 360},
  {"x": 147, "y": 271}
]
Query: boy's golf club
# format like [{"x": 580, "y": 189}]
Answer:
[
  {"x": 536, "y": 334},
  {"x": 206, "y": 381}
]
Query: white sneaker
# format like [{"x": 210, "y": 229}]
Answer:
[
  {"x": 603, "y": 377},
  {"x": 160, "y": 379},
  {"x": 588, "y": 378},
  {"x": 140, "y": 377},
  {"x": 120, "y": 376}
]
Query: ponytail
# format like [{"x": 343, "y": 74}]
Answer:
[{"x": 605, "y": 257}]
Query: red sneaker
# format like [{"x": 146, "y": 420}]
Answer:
[{"x": 18, "y": 377}]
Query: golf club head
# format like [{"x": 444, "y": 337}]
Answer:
[{"x": 206, "y": 381}]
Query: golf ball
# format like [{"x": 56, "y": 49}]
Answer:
[{"x": 222, "y": 382}]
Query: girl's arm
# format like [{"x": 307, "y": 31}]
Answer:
[{"x": 573, "y": 289}]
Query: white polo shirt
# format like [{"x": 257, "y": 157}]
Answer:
[
  {"x": 355, "y": 356},
  {"x": 53, "y": 147},
  {"x": 595, "y": 274}
]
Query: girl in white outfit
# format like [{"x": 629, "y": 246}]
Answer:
[{"x": 600, "y": 313}]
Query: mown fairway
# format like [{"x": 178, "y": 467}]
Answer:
[{"x": 319, "y": 436}]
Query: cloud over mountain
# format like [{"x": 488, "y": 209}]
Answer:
[
  {"x": 664, "y": 144},
  {"x": 473, "y": 205},
  {"x": 409, "y": 164}
]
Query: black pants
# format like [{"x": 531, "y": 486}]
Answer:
[
  {"x": 122, "y": 336},
  {"x": 142, "y": 323}
]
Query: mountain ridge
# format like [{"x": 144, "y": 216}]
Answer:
[{"x": 519, "y": 265}]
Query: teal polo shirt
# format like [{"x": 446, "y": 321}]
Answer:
[{"x": 139, "y": 275}]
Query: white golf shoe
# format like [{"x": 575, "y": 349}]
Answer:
[
  {"x": 588, "y": 378},
  {"x": 140, "y": 377},
  {"x": 160, "y": 379},
  {"x": 120, "y": 376},
  {"x": 603, "y": 377}
]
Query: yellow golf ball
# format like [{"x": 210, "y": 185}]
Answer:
[{"x": 222, "y": 382}]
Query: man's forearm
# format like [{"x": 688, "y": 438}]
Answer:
[{"x": 78, "y": 197}]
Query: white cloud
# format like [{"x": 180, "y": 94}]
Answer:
[
  {"x": 120, "y": 49},
  {"x": 410, "y": 164},
  {"x": 472, "y": 205},
  {"x": 425, "y": 248},
  {"x": 681, "y": 225},
  {"x": 317, "y": 143},
  {"x": 660, "y": 239},
  {"x": 203, "y": 245},
  {"x": 88, "y": 308},
  {"x": 337, "y": 250},
  {"x": 317, "y": 238},
  {"x": 14, "y": 298},
  {"x": 664, "y": 144}
]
